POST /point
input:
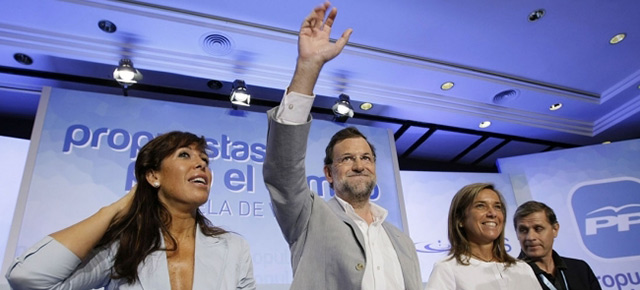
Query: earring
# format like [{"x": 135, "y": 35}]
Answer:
[
  {"x": 156, "y": 184},
  {"x": 459, "y": 225}
]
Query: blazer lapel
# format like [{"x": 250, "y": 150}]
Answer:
[
  {"x": 404, "y": 257},
  {"x": 337, "y": 208},
  {"x": 154, "y": 271},
  {"x": 210, "y": 261}
]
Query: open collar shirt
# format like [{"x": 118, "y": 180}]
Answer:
[{"x": 382, "y": 270}]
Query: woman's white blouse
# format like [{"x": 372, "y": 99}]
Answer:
[{"x": 447, "y": 274}]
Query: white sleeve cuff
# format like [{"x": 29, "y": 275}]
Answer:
[{"x": 294, "y": 108}]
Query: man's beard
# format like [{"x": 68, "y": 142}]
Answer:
[{"x": 356, "y": 193}]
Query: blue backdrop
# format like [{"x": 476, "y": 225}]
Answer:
[
  {"x": 595, "y": 193},
  {"x": 85, "y": 145}
]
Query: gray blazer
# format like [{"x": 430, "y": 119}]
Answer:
[
  {"x": 222, "y": 262},
  {"x": 326, "y": 246}
]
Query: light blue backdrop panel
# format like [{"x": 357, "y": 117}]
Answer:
[
  {"x": 428, "y": 196},
  {"x": 13, "y": 153},
  {"x": 595, "y": 193},
  {"x": 87, "y": 148}
]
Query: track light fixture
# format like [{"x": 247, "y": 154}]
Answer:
[
  {"x": 126, "y": 74},
  {"x": 342, "y": 109},
  {"x": 239, "y": 95}
]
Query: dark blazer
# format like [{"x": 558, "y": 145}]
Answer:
[
  {"x": 577, "y": 272},
  {"x": 326, "y": 246},
  {"x": 579, "y": 275}
]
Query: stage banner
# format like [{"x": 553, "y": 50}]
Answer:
[
  {"x": 13, "y": 153},
  {"x": 85, "y": 145},
  {"x": 428, "y": 196},
  {"x": 595, "y": 193}
]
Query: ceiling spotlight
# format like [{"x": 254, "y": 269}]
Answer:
[
  {"x": 23, "y": 58},
  {"x": 342, "y": 109},
  {"x": 366, "y": 106},
  {"x": 485, "y": 124},
  {"x": 107, "y": 26},
  {"x": 536, "y": 15},
  {"x": 617, "y": 38},
  {"x": 239, "y": 95},
  {"x": 555, "y": 107},
  {"x": 126, "y": 74},
  {"x": 446, "y": 86},
  {"x": 214, "y": 84}
]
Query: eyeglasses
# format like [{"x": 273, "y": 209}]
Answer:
[{"x": 348, "y": 160}]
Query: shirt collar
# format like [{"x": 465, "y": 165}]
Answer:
[
  {"x": 379, "y": 213},
  {"x": 559, "y": 262}
]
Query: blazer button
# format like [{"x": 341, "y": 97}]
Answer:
[{"x": 359, "y": 266}]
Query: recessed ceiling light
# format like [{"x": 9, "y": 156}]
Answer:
[
  {"x": 485, "y": 124},
  {"x": 446, "y": 86},
  {"x": 536, "y": 15},
  {"x": 555, "y": 107},
  {"x": 366, "y": 106},
  {"x": 107, "y": 26},
  {"x": 606, "y": 142},
  {"x": 617, "y": 38},
  {"x": 23, "y": 58},
  {"x": 214, "y": 84}
]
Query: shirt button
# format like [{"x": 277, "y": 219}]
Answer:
[
  {"x": 359, "y": 266},
  {"x": 290, "y": 106},
  {"x": 378, "y": 267}
]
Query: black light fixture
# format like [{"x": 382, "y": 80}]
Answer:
[
  {"x": 23, "y": 58},
  {"x": 342, "y": 109},
  {"x": 126, "y": 74},
  {"x": 239, "y": 95},
  {"x": 107, "y": 26},
  {"x": 536, "y": 15}
]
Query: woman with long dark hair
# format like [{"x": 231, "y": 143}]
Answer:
[
  {"x": 155, "y": 237},
  {"x": 478, "y": 259}
]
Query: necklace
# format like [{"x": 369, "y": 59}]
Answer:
[{"x": 483, "y": 259}]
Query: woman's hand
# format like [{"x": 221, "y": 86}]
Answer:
[
  {"x": 122, "y": 205},
  {"x": 83, "y": 236}
]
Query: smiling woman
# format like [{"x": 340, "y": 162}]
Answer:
[
  {"x": 484, "y": 223},
  {"x": 149, "y": 238},
  {"x": 478, "y": 258}
]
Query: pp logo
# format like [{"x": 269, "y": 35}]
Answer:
[{"x": 607, "y": 213}]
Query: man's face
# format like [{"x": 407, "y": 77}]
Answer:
[
  {"x": 536, "y": 235},
  {"x": 353, "y": 171}
]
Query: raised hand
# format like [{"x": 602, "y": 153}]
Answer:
[
  {"x": 81, "y": 237},
  {"x": 124, "y": 203},
  {"x": 315, "y": 47},
  {"x": 313, "y": 41}
]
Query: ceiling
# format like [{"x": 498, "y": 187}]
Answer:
[{"x": 506, "y": 66}]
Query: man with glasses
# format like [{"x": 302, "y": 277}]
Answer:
[{"x": 343, "y": 243}]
